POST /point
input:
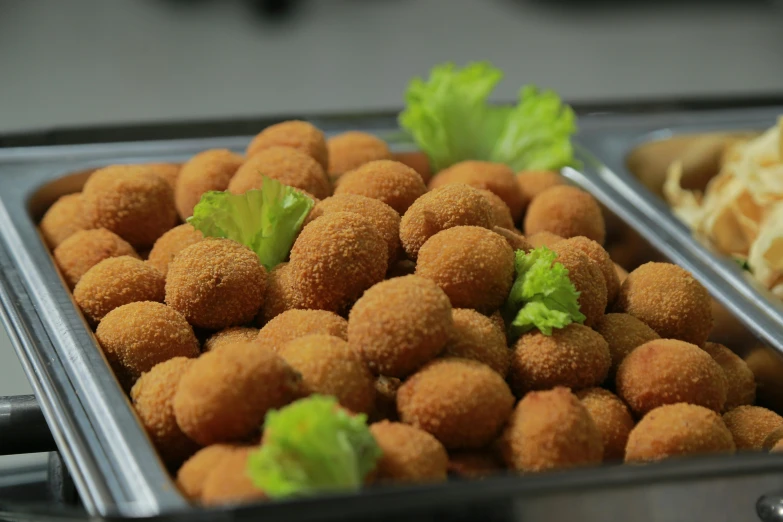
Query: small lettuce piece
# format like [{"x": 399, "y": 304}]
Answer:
[
  {"x": 266, "y": 221},
  {"x": 542, "y": 295},
  {"x": 450, "y": 120},
  {"x": 313, "y": 446}
]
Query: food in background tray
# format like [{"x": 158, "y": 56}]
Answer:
[{"x": 301, "y": 334}]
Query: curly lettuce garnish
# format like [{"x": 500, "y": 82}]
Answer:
[
  {"x": 542, "y": 295},
  {"x": 451, "y": 121},
  {"x": 313, "y": 446},
  {"x": 266, "y": 221}
]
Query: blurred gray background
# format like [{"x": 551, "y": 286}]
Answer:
[{"x": 66, "y": 63}]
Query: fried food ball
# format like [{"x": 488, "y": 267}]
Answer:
[
  {"x": 495, "y": 177},
  {"x": 229, "y": 483},
  {"x": 678, "y": 430},
  {"x": 566, "y": 211},
  {"x": 474, "y": 464},
  {"x": 280, "y": 294},
  {"x": 85, "y": 249},
  {"x": 137, "y": 336},
  {"x": 131, "y": 201},
  {"x": 587, "y": 278},
  {"x": 392, "y": 182},
  {"x": 299, "y": 135},
  {"x": 226, "y": 393},
  {"x": 669, "y": 300},
  {"x": 62, "y": 220},
  {"x": 335, "y": 259},
  {"x": 476, "y": 336},
  {"x": 169, "y": 172},
  {"x": 501, "y": 215},
  {"x": 533, "y": 182},
  {"x": 230, "y": 336},
  {"x": 771, "y": 440},
  {"x": 543, "y": 238},
  {"x": 351, "y": 150},
  {"x": 497, "y": 320},
  {"x": 463, "y": 403},
  {"x": 409, "y": 454},
  {"x": 193, "y": 473},
  {"x": 474, "y": 266},
  {"x": 575, "y": 357},
  {"x": 600, "y": 257},
  {"x": 330, "y": 367},
  {"x": 153, "y": 400},
  {"x": 751, "y": 425},
  {"x": 384, "y": 218},
  {"x": 611, "y": 417},
  {"x": 551, "y": 430},
  {"x": 172, "y": 243},
  {"x": 623, "y": 333},
  {"x": 208, "y": 170},
  {"x": 288, "y": 166},
  {"x": 416, "y": 160},
  {"x": 114, "y": 282},
  {"x": 741, "y": 382},
  {"x": 667, "y": 371},
  {"x": 216, "y": 283},
  {"x": 515, "y": 240},
  {"x": 294, "y": 324},
  {"x": 442, "y": 208},
  {"x": 386, "y": 398},
  {"x": 400, "y": 324},
  {"x": 622, "y": 274},
  {"x": 401, "y": 268}
]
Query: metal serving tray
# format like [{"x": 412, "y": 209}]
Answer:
[{"x": 118, "y": 473}]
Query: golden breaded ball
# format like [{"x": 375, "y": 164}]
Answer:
[
  {"x": 294, "y": 324},
  {"x": 497, "y": 320},
  {"x": 115, "y": 282},
  {"x": 288, "y": 166},
  {"x": 216, "y": 283},
  {"x": 667, "y": 371},
  {"x": 600, "y": 257},
  {"x": 462, "y": 403},
  {"x": 330, "y": 367},
  {"x": 416, "y": 160},
  {"x": 669, "y": 300},
  {"x": 384, "y": 218},
  {"x": 501, "y": 215},
  {"x": 678, "y": 430},
  {"x": 193, "y": 473},
  {"x": 544, "y": 238},
  {"x": 575, "y": 357},
  {"x": 169, "y": 172},
  {"x": 566, "y": 211},
  {"x": 772, "y": 440},
  {"x": 587, "y": 278},
  {"x": 514, "y": 239},
  {"x": 751, "y": 425},
  {"x": 172, "y": 243},
  {"x": 351, "y": 150},
  {"x": 551, "y": 430},
  {"x": 533, "y": 182},
  {"x": 62, "y": 220},
  {"x": 226, "y": 393},
  {"x": 335, "y": 259},
  {"x": 230, "y": 335},
  {"x": 474, "y": 267},
  {"x": 85, "y": 249},
  {"x": 741, "y": 382},
  {"x": 131, "y": 201},
  {"x": 611, "y": 417},
  {"x": 206, "y": 171},
  {"x": 495, "y": 177},
  {"x": 280, "y": 294},
  {"x": 475, "y": 464},
  {"x": 392, "y": 182},
  {"x": 623, "y": 333},
  {"x": 299, "y": 135},
  {"x": 400, "y": 324},
  {"x": 442, "y": 208},
  {"x": 153, "y": 400},
  {"x": 229, "y": 483},
  {"x": 476, "y": 336},
  {"x": 137, "y": 336},
  {"x": 409, "y": 454}
]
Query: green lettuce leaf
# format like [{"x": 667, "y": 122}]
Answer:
[
  {"x": 266, "y": 221},
  {"x": 542, "y": 295},
  {"x": 313, "y": 446},
  {"x": 450, "y": 120}
]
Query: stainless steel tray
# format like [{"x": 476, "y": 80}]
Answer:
[{"x": 115, "y": 467}]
